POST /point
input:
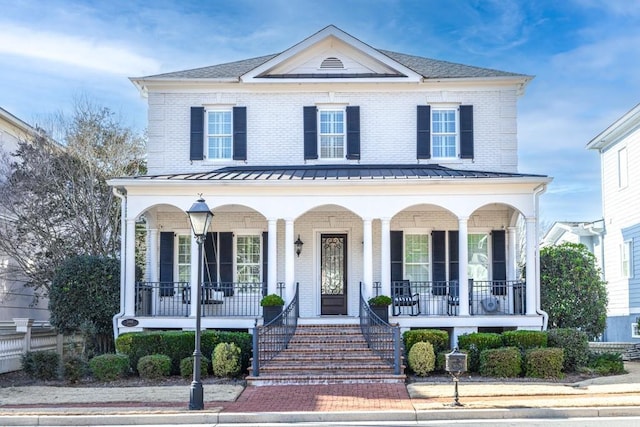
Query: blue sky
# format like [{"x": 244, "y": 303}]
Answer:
[{"x": 584, "y": 55}]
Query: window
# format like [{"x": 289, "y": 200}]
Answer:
[
  {"x": 332, "y": 134},
  {"x": 478, "y": 252},
  {"x": 622, "y": 168},
  {"x": 219, "y": 134},
  {"x": 416, "y": 257},
  {"x": 444, "y": 132},
  {"x": 626, "y": 254},
  {"x": 248, "y": 250},
  {"x": 184, "y": 258}
]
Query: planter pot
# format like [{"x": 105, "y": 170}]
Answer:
[
  {"x": 271, "y": 312},
  {"x": 382, "y": 311}
]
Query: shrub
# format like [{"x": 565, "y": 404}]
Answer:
[
  {"x": 226, "y": 360},
  {"x": 607, "y": 363},
  {"x": 575, "y": 344},
  {"x": 154, "y": 366},
  {"x": 473, "y": 344},
  {"x": 422, "y": 359},
  {"x": 438, "y": 338},
  {"x": 74, "y": 368},
  {"x": 272, "y": 300},
  {"x": 108, "y": 367},
  {"x": 244, "y": 340},
  {"x": 380, "y": 301},
  {"x": 524, "y": 340},
  {"x": 503, "y": 362},
  {"x": 544, "y": 362},
  {"x": 41, "y": 365},
  {"x": 186, "y": 367}
]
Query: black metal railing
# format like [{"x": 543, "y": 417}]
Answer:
[
  {"x": 381, "y": 337},
  {"x": 272, "y": 338},
  {"x": 502, "y": 297}
]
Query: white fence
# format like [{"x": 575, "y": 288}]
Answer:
[{"x": 22, "y": 335}]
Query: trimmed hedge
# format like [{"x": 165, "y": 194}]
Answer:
[
  {"x": 422, "y": 359},
  {"x": 575, "y": 344},
  {"x": 524, "y": 340},
  {"x": 438, "y": 338},
  {"x": 544, "y": 362},
  {"x": 186, "y": 367},
  {"x": 473, "y": 344},
  {"x": 503, "y": 362},
  {"x": 225, "y": 360},
  {"x": 41, "y": 365},
  {"x": 109, "y": 366},
  {"x": 154, "y": 366}
]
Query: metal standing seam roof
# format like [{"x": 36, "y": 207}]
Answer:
[{"x": 331, "y": 172}]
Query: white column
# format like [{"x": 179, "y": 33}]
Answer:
[
  {"x": 512, "y": 261},
  {"x": 385, "y": 256},
  {"x": 272, "y": 249},
  {"x": 130, "y": 268},
  {"x": 193, "y": 277},
  {"x": 367, "y": 257},
  {"x": 289, "y": 261},
  {"x": 463, "y": 276},
  {"x": 531, "y": 274}
]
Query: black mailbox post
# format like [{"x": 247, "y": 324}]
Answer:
[{"x": 456, "y": 364}]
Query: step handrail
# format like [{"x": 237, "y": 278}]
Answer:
[
  {"x": 382, "y": 338},
  {"x": 272, "y": 338}
]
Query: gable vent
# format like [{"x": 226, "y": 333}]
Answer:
[{"x": 332, "y": 62}]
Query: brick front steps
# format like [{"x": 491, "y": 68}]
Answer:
[{"x": 326, "y": 354}]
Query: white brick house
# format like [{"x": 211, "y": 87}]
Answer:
[{"x": 388, "y": 167}]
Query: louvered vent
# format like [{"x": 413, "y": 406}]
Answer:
[{"x": 332, "y": 62}]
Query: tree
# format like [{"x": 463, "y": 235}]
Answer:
[
  {"x": 571, "y": 289},
  {"x": 56, "y": 199}
]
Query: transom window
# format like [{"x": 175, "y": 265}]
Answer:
[
  {"x": 478, "y": 253},
  {"x": 332, "y": 134},
  {"x": 416, "y": 257},
  {"x": 184, "y": 258},
  {"x": 219, "y": 134},
  {"x": 248, "y": 259},
  {"x": 444, "y": 132}
]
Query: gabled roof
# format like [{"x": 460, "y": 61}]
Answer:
[{"x": 617, "y": 131}]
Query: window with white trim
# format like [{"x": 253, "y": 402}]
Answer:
[
  {"x": 219, "y": 134},
  {"x": 478, "y": 256},
  {"x": 444, "y": 132},
  {"x": 626, "y": 254},
  {"x": 248, "y": 259},
  {"x": 417, "y": 265},
  {"x": 623, "y": 169},
  {"x": 331, "y": 132},
  {"x": 184, "y": 257}
]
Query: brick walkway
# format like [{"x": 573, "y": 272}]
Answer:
[{"x": 350, "y": 397}]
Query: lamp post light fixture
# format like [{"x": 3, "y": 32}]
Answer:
[
  {"x": 298, "y": 244},
  {"x": 200, "y": 217}
]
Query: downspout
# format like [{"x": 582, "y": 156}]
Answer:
[
  {"x": 122, "y": 195},
  {"x": 536, "y": 194}
]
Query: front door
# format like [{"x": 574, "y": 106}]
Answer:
[{"x": 333, "y": 274}]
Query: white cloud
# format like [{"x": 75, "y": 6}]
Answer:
[{"x": 78, "y": 51}]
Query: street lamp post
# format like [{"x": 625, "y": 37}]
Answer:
[{"x": 200, "y": 216}]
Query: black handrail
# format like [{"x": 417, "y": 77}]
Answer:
[
  {"x": 381, "y": 337},
  {"x": 272, "y": 338}
]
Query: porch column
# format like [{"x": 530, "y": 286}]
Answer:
[
  {"x": 463, "y": 257},
  {"x": 193, "y": 277},
  {"x": 130, "y": 268},
  {"x": 367, "y": 257},
  {"x": 289, "y": 267},
  {"x": 512, "y": 262},
  {"x": 385, "y": 256},
  {"x": 531, "y": 274},
  {"x": 272, "y": 263},
  {"x": 153, "y": 266}
]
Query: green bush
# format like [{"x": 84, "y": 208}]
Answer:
[
  {"x": 154, "y": 366},
  {"x": 109, "y": 367},
  {"x": 422, "y": 359},
  {"x": 544, "y": 362},
  {"x": 41, "y": 365},
  {"x": 473, "y": 344},
  {"x": 438, "y": 338},
  {"x": 243, "y": 340},
  {"x": 575, "y": 344},
  {"x": 74, "y": 368},
  {"x": 607, "y": 363},
  {"x": 524, "y": 340},
  {"x": 503, "y": 362},
  {"x": 186, "y": 367},
  {"x": 225, "y": 360}
]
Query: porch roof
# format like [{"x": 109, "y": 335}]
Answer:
[{"x": 332, "y": 172}]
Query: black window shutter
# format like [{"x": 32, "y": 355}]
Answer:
[
  {"x": 439, "y": 268},
  {"x": 499, "y": 262},
  {"x": 397, "y": 262},
  {"x": 454, "y": 255},
  {"x": 239, "y": 133},
  {"x": 353, "y": 133},
  {"x": 210, "y": 273},
  {"x": 466, "y": 131},
  {"x": 423, "y": 142},
  {"x": 166, "y": 263},
  {"x": 225, "y": 254},
  {"x": 196, "y": 146},
  {"x": 310, "y": 122},
  {"x": 265, "y": 262}
]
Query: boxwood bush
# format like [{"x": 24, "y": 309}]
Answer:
[
  {"x": 524, "y": 340},
  {"x": 575, "y": 344},
  {"x": 225, "y": 360},
  {"x": 422, "y": 359},
  {"x": 505, "y": 362},
  {"x": 154, "y": 366},
  {"x": 544, "y": 363},
  {"x": 473, "y": 344},
  {"x": 439, "y": 339},
  {"x": 41, "y": 365},
  {"x": 109, "y": 366},
  {"x": 74, "y": 368},
  {"x": 186, "y": 367}
]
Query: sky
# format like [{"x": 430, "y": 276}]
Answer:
[{"x": 584, "y": 55}]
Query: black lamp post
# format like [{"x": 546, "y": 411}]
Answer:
[
  {"x": 456, "y": 364},
  {"x": 200, "y": 216}
]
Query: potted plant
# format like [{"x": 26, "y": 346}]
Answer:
[
  {"x": 271, "y": 307},
  {"x": 380, "y": 306}
]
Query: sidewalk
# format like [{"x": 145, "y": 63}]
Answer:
[{"x": 610, "y": 396}]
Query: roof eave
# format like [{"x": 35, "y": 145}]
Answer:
[{"x": 617, "y": 130}]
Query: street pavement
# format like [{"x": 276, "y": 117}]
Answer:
[{"x": 231, "y": 404}]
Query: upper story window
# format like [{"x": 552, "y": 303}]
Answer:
[
  {"x": 626, "y": 254},
  {"x": 219, "y": 135},
  {"x": 331, "y": 134},
  {"x": 623, "y": 169},
  {"x": 444, "y": 132}
]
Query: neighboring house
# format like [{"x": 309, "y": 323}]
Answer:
[
  {"x": 619, "y": 148},
  {"x": 382, "y": 166},
  {"x": 16, "y": 301},
  {"x": 590, "y": 234}
]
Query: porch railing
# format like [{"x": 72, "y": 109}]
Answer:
[
  {"x": 381, "y": 337},
  {"x": 272, "y": 338}
]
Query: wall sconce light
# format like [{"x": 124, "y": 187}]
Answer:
[{"x": 298, "y": 244}]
